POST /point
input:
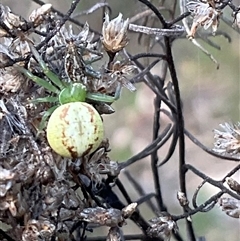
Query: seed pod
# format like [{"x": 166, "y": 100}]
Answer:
[{"x": 75, "y": 129}]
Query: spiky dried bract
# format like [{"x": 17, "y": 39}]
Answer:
[
  {"x": 230, "y": 206},
  {"x": 162, "y": 227},
  {"x": 6, "y": 181},
  {"x": 10, "y": 78},
  {"x": 233, "y": 184},
  {"x": 99, "y": 164},
  {"x": 115, "y": 33},
  {"x": 228, "y": 140},
  {"x": 121, "y": 73},
  {"x": 204, "y": 14},
  {"x": 11, "y": 20}
]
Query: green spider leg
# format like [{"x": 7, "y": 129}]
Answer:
[
  {"x": 46, "y": 115},
  {"x": 52, "y": 76},
  {"x": 38, "y": 80},
  {"x": 48, "y": 99},
  {"x": 58, "y": 84},
  {"x": 108, "y": 99}
]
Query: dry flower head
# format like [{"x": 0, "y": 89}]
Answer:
[
  {"x": 230, "y": 206},
  {"x": 228, "y": 140},
  {"x": 204, "y": 14},
  {"x": 162, "y": 226},
  {"x": 114, "y": 33}
]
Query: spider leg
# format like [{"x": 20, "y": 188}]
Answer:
[
  {"x": 37, "y": 80},
  {"x": 52, "y": 76},
  {"x": 49, "y": 99},
  {"x": 46, "y": 115},
  {"x": 104, "y": 98},
  {"x": 118, "y": 92},
  {"x": 98, "y": 97}
]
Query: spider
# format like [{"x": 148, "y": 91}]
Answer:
[{"x": 63, "y": 92}]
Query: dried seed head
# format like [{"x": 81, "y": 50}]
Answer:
[
  {"x": 234, "y": 185},
  {"x": 38, "y": 230},
  {"x": 228, "y": 140},
  {"x": 111, "y": 168},
  {"x": 8, "y": 203},
  {"x": 228, "y": 203},
  {"x": 6, "y": 180},
  {"x": 20, "y": 47},
  {"x": 44, "y": 174},
  {"x": 105, "y": 217},
  {"x": 204, "y": 14},
  {"x": 162, "y": 227},
  {"x": 37, "y": 15},
  {"x": 129, "y": 210},
  {"x": 10, "y": 80},
  {"x": 121, "y": 73},
  {"x": 99, "y": 164},
  {"x": 10, "y": 19},
  {"x": 114, "y": 33},
  {"x": 99, "y": 157},
  {"x": 182, "y": 199},
  {"x": 79, "y": 50},
  {"x": 6, "y": 175},
  {"x": 230, "y": 206},
  {"x": 12, "y": 208},
  {"x": 233, "y": 213}
]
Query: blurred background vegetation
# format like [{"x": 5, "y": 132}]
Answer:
[{"x": 209, "y": 96}]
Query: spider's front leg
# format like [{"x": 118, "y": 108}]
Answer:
[
  {"x": 52, "y": 76},
  {"x": 41, "y": 82},
  {"x": 105, "y": 98},
  {"x": 102, "y": 102},
  {"x": 58, "y": 84}
]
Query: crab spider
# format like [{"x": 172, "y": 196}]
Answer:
[{"x": 66, "y": 92}]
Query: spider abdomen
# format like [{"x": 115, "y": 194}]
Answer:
[{"x": 75, "y": 129}]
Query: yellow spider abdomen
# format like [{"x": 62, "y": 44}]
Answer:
[{"x": 75, "y": 129}]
